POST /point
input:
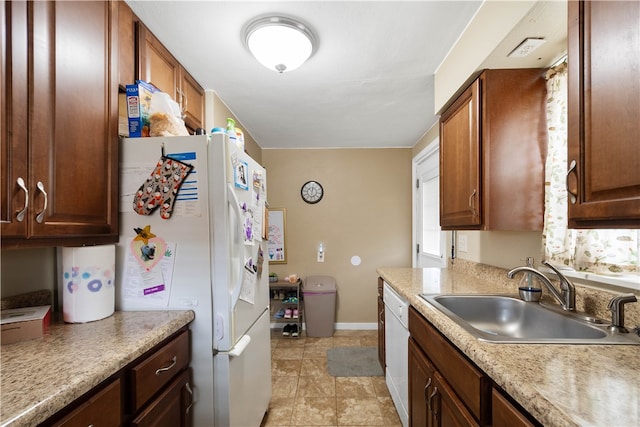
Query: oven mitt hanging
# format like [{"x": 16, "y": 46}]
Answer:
[{"x": 161, "y": 188}]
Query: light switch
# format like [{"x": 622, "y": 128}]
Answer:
[{"x": 462, "y": 242}]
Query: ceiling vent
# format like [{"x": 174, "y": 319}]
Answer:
[{"x": 527, "y": 46}]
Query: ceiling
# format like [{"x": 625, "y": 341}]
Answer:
[{"x": 369, "y": 84}]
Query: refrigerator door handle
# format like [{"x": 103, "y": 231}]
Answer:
[
  {"x": 241, "y": 345},
  {"x": 235, "y": 204}
]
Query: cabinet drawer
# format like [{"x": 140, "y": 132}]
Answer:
[
  {"x": 505, "y": 414},
  {"x": 469, "y": 383},
  {"x": 172, "y": 408},
  {"x": 158, "y": 369},
  {"x": 103, "y": 409}
]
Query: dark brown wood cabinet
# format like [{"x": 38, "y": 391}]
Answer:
[
  {"x": 493, "y": 143},
  {"x": 102, "y": 409},
  {"x": 172, "y": 407},
  {"x": 126, "y": 46},
  {"x": 433, "y": 403},
  {"x": 604, "y": 114},
  {"x": 154, "y": 390},
  {"x": 381, "y": 340},
  {"x": 506, "y": 414},
  {"x": 447, "y": 389},
  {"x": 456, "y": 392},
  {"x": 59, "y": 124},
  {"x": 158, "y": 66}
]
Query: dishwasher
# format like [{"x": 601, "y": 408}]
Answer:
[{"x": 396, "y": 335}]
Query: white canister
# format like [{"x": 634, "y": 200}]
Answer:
[{"x": 88, "y": 280}]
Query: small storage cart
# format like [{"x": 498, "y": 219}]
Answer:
[{"x": 287, "y": 307}]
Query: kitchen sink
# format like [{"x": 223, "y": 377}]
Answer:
[{"x": 506, "y": 319}]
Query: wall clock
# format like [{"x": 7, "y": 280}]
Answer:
[{"x": 311, "y": 192}]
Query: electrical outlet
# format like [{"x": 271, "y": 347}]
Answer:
[
  {"x": 320, "y": 256},
  {"x": 462, "y": 242}
]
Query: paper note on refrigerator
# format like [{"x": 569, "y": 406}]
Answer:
[
  {"x": 142, "y": 287},
  {"x": 249, "y": 280},
  {"x": 133, "y": 175}
]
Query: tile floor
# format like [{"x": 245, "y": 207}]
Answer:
[{"x": 304, "y": 394}]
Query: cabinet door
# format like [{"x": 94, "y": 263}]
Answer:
[
  {"x": 192, "y": 101},
  {"x": 460, "y": 185},
  {"x": 432, "y": 401},
  {"x": 604, "y": 113},
  {"x": 73, "y": 145},
  {"x": 156, "y": 64},
  {"x": 126, "y": 45},
  {"x": 172, "y": 408},
  {"x": 381, "y": 340},
  {"x": 420, "y": 379},
  {"x": 13, "y": 119},
  {"x": 447, "y": 410}
]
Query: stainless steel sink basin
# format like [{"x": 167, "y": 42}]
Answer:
[{"x": 505, "y": 319}]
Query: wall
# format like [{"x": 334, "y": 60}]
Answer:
[
  {"x": 216, "y": 113},
  {"x": 366, "y": 211},
  {"x": 27, "y": 270}
]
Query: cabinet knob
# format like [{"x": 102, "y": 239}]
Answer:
[
  {"x": 40, "y": 215},
  {"x": 23, "y": 187}
]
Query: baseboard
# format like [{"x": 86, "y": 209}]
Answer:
[
  {"x": 357, "y": 326},
  {"x": 339, "y": 326}
]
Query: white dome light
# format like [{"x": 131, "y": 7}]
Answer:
[{"x": 280, "y": 44}]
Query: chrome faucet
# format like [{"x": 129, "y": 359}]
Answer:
[
  {"x": 567, "y": 295},
  {"x": 616, "y": 306}
]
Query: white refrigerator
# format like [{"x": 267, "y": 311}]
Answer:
[{"x": 203, "y": 250}]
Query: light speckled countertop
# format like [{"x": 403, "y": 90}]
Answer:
[
  {"x": 40, "y": 377},
  {"x": 560, "y": 385}
]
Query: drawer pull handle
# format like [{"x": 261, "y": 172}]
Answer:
[
  {"x": 573, "y": 196},
  {"x": 166, "y": 368},
  {"x": 40, "y": 215},
  {"x": 23, "y": 187},
  {"x": 426, "y": 389},
  {"x": 472, "y": 204},
  {"x": 188, "y": 387}
]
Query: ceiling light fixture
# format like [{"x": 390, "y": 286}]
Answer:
[{"x": 279, "y": 43}]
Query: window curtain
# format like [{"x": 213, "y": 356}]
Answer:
[{"x": 597, "y": 251}]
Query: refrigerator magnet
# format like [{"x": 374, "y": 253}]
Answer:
[
  {"x": 147, "y": 248},
  {"x": 240, "y": 171}
]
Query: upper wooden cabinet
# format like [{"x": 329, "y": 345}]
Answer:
[
  {"x": 604, "y": 114},
  {"x": 493, "y": 143},
  {"x": 158, "y": 66},
  {"x": 59, "y": 124},
  {"x": 126, "y": 45}
]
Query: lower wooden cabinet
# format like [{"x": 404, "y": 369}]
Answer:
[
  {"x": 154, "y": 390},
  {"x": 103, "y": 409},
  {"x": 381, "y": 341},
  {"x": 171, "y": 408},
  {"x": 472, "y": 386},
  {"x": 506, "y": 414},
  {"x": 446, "y": 389},
  {"x": 154, "y": 372},
  {"x": 432, "y": 401}
]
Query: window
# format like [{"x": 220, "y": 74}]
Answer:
[{"x": 598, "y": 251}]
